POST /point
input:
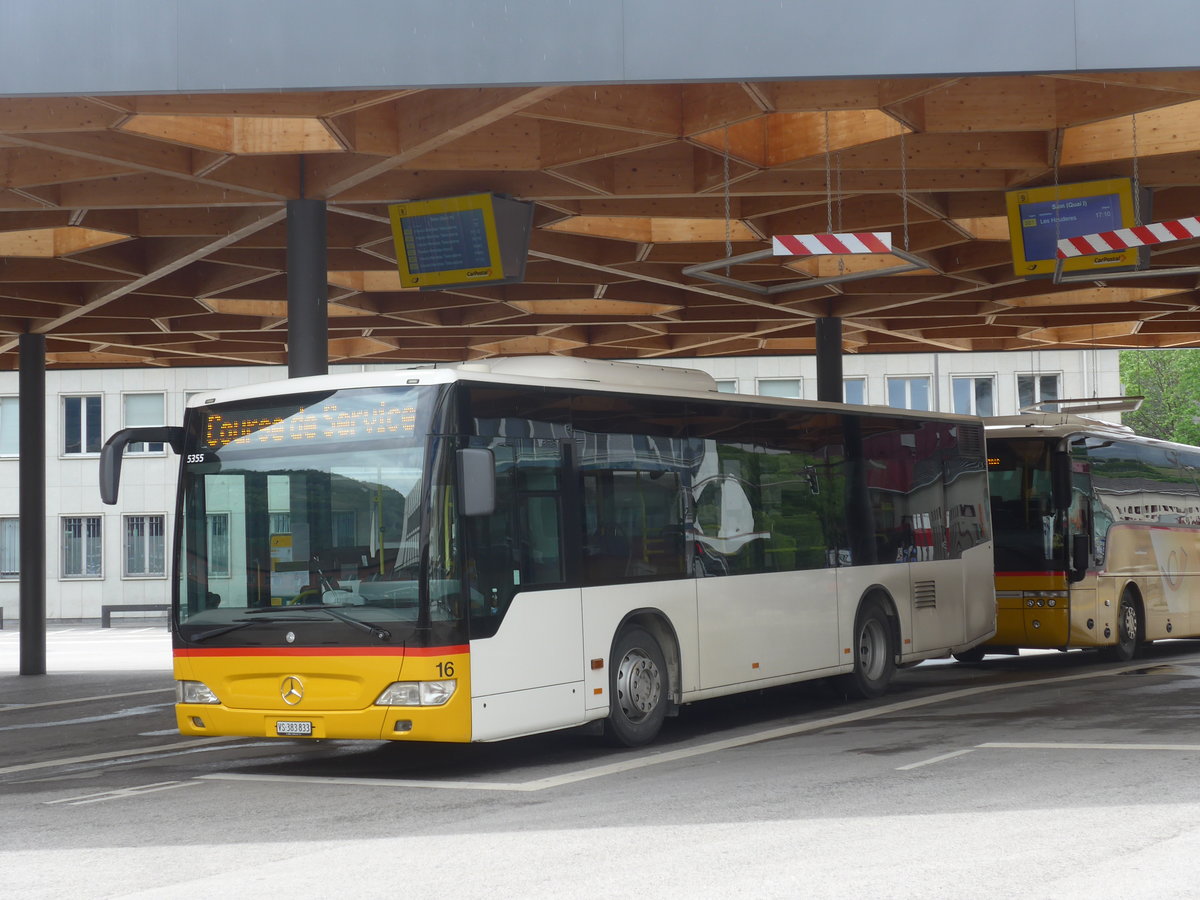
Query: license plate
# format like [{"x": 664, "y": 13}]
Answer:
[{"x": 294, "y": 729}]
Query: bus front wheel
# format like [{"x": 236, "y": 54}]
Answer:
[
  {"x": 1128, "y": 626},
  {"x": 638, "y": 689},
  {"x": 874, "y": 655}
]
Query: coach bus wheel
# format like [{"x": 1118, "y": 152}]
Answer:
[
  {"x": 637, "y": 688},
  {"x": 974, "y": 655},
  {"x": 1127, "y": 631},
  {"x": 874, "y": 655}
]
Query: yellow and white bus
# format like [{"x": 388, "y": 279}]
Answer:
[
  {"x": 1097, "y": 535},
  {"x": 514, "y": 546}
]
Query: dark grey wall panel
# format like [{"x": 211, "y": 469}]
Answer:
[
  {"x": 771, "y": 39},
  {"x": 1118, "y": 34},
  {"x": 74, "y": 47},
  {"x": 373, "y": 43},
  {"x": 112, "y": 46}
]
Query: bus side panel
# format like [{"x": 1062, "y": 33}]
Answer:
[
  {"x": 939, "y": 610},
  {"x": 1161, "y": 561},
  {"x": 979, "y": 589},
  {"x": 604, "y": 608},
  {"x": 528, "y": 677},
  {"x": 765, "y": 626}
]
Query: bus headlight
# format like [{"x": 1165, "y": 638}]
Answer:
[
  {"x": 417, "y": 693},
  {"x": 194, "y": 692}
]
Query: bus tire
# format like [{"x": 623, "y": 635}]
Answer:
[
  {"x": 974, "y": 655},
  {"x": 874, "y": 653},
  {"x": 1128, "y": 628},
  {"x": 638, "y": 689}
]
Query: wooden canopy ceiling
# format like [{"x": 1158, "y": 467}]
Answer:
[{"x": 150, "y": 230}]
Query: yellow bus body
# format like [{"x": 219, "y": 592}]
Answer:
[{"x": 338, "y": 687}]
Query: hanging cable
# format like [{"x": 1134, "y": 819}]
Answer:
[
  {"x": 904, "y": 184},
  {"x": 728, "y": 221},
  {"x": 1137, "y": 189}
]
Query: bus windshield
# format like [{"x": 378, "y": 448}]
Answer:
[
  {"x": 307, "y": 501},
  {"x": 1024, "y": 520}
]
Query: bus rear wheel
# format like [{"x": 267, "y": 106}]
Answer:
[
  {"x": 1128, "y": 626},
  {"x": 974, "y": 655},
  {"x": 874, "y": 654},
  {"x": 638, "y": 689}
]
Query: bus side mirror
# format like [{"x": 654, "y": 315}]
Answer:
[
  {"x": 113, "y": 451},
  {"x": 1079, "y": 557},
  {"x": 476, "y": 482}
]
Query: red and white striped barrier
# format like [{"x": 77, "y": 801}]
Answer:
[
  {"x": 831, "y": 244},
  {"x": 1127, "y": 238}
]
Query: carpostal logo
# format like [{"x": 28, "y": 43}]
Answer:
[
  {"x": 1106, "y": 259},
  {"x": 479, "y": 273}
]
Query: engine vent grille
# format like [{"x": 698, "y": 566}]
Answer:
[
  {"x": 925, "y": 595},
  {"x": 970, "y": 440}
]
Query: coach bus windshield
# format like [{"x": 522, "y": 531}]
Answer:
[
  {"x": 311, "y": 507},
  {"x": 1025, "y": 522}
]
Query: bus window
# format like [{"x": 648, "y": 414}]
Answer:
[{"x": 519, "y": 546}]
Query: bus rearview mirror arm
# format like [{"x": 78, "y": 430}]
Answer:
[
  {"x": 113, "y": 451},
  {"x": 1078, "y": 566}
]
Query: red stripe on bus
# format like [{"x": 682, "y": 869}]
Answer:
[{"x": 319, "y": 651}]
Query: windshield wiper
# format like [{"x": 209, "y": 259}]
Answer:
[
  {"x": 213, "y": 632},
  {"x": 370, "y": 627}
]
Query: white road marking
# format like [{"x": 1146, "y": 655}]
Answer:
[
  {"x": 936, "y": 759},
  {"x": 1178, "y": 748},
  {"x": 654, "y": 759},
  {"x": 88, "y": 720},
  {"x": 12, "y": 707},
  {"x": 121, "y": 793},
  {"x": 114, "y": 754}
]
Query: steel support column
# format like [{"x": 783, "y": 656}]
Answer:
[
  {"x": 307, "y": 289},
  {"x": 32, "y": 502},
  {"x": 829, "y": 359}
]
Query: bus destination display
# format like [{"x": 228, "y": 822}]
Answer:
[{"x": 333, "y": 420}]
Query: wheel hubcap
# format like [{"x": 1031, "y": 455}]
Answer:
[
  {"x": 1128, "y": 623},
  {"x": 870, "y": 649},
  {"x": 639, "y": 685}
]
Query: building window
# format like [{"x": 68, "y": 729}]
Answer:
[
  {"x": 727, "y": 385},
  {"x": 779, "y": 387},
  {"x": 145, "y": 546},
  {"x": 1033, "y": 389},
  {"x": 81, "y": 424},
  {"x": 10, "y": 548},
  {"x": 854, "y": 390},
  {"x": 145, "y": 410},
  {"x": 10, "y": 420},
  {"x": 974, "y": 395},
  {"x": 218, "y": 545},
  {"x": 81, "y": 547},
  {"x": 908, "y": 392}
]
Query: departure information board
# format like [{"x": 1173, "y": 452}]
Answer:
[
  {"x": 1038, "y": 218},
  {"x": 458, "y": 241}
]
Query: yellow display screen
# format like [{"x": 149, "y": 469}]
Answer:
[
  {"x": 1038, "y": 218},
  {"x": 342, "y": 417},
  {"x": 448, "y": 241}
]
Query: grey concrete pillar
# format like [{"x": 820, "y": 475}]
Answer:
[
  {"x": 32, "y": 502},
  {"x": 307, "y": 289}
]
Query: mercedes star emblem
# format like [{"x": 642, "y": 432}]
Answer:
[{"x": 291, "y": 690}]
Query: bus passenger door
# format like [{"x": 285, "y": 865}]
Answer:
[{"x": 526, "y": 623}]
